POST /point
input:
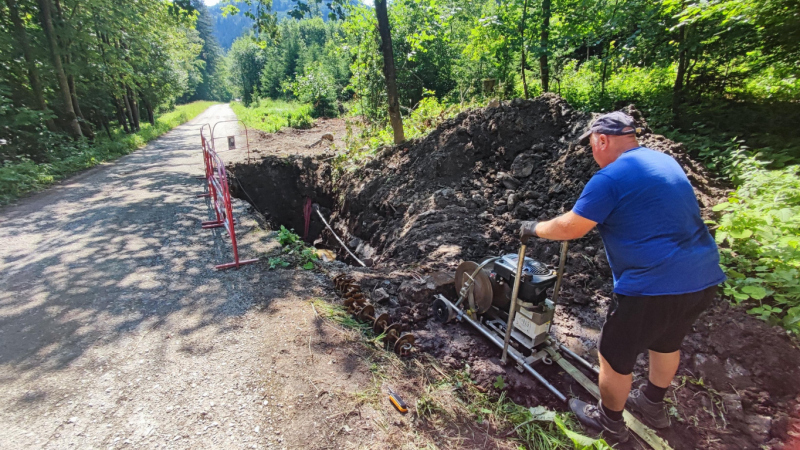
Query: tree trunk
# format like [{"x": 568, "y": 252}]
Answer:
[
  {"x": 47, "y": 26},
  {"x": 129, "y": 113},
  {"x": 121, "y": 116},
  {"x": 87, "y": 130},
  {"x": 33, "y": 71},
  {"x": 677, "y": 88},
  {"x": 544, "y": 67},
  {"x": 389, "y": 71},
  {"x": 134, "y": 109},
  {"x": 149, "y": 110},
  {"x": 104, "y": 123},
  {"x": 522, "y": 39}
]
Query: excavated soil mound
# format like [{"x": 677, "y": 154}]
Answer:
[{"x": 459, "y": 194}]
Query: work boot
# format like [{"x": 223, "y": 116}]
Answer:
[
  {"x": 653, "y": 414},
  {"x": 593, "y": 417}
]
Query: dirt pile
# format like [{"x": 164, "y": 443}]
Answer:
[{"x": 460, "y": 192}]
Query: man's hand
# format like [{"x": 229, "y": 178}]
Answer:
[
  {"x": 527, "y": 231},
  {"x": 564, "y": 227}
]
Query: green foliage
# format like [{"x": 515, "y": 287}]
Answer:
[
  {"x": 287, "y": 237},
  {"x": 536, "y": 427},
  {"x": 272, "y": 115},
  {"x": 297, "y": 249},
  {"x": 429, "y": 113},
  {"x": 211, "y": 84},
  {"x": 304, "y": 62},
  {"x": 499, "y": 383},
  {"x": 759, "y": 232},
  {"x": 648, "y": 88},
  {"x": 317, "y": 87},
  {"x": 245, "y": 62},
  {"x": 580, "y": 441},
  {"x": 23, "y": 175},
  {"x": 277, "y": 263},
  {"x": 307, "y": 258},
  {"x": 339, "y": 315}
]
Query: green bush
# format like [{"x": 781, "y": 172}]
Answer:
[
  {"x": 23, "y": 175},
  {"x": 427, "y": 115},
  {"x": 648, "y": 87},
  {"x": 294, "y": 247},
  {"x": 759, "y": 235},
  {"x": 271, "y": 115},
  {"x": 317, "y": 87}
]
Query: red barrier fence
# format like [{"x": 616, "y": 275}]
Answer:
[
  {"x": 206, "y": 141},
  {"x": 217, "y": 180}
]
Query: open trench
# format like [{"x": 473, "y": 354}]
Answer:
[
  {"x": 278, "y": 188},
  {"x": 416, "y": 211}
]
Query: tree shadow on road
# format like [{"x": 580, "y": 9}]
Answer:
[{"x": 118, "y": 252}]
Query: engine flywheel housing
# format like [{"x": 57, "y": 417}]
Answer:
[{"x": 481, "y": 288}]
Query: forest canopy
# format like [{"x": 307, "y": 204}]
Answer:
[
  {"x": 679, "y": 61},
  {"x": 82, "y": 67}
]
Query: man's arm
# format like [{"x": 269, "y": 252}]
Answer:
[{"x": 564, "y": 227}]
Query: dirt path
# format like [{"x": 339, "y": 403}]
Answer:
[{"x": 117, "y": 331}]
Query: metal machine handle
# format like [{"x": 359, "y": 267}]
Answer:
[
  {"x": 560, "y": 274},
  {"x": 513, "y": 309}
]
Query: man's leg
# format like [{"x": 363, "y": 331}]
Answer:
[
  {"x": 607, "y": 416},
  {"x": 614, "y": 387},
  {"x": 663, "y": 367},
  {"x": 649, "y": 400}
]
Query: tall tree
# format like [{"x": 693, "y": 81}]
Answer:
[
  {"x": 544, "y": 67},
  {"x": 21, "y": 36},
  {"x": 45, "y": 14},
  {"x": 389, "y": 71},
  {"x": 523, "y": 59}
]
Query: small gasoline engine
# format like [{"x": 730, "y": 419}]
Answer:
[{"x": 488, "y": 288}]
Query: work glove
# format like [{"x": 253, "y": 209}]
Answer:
[{"x": 527, "y": 230}]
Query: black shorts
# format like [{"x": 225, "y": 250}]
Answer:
[{"x": 658, "y": 323}]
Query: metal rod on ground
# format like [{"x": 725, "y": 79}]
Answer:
[
  {"x": 316, "y": 208},
  {"x": 561, "y": 261},
  {"x": 513, "y": 309},
  {"x": 576, "y": 357},
  {"x": 514, "y": 354}
]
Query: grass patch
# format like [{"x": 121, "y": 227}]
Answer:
[
  {"x": 535, "y": 427},
  {"x": 448, "y": 403},
  {"x": 271, "y": 115},
  {"x": 24, "y": 176},
  {"x": 363, "y": 141},
  {"x": 338, "y": 314}
]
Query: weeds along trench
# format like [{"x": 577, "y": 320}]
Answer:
[{"x": 417, "y": 210}]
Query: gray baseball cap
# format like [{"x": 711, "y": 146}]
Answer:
[{"x": 615, "y": 123}]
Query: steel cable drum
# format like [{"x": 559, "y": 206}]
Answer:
[
  {"x": 481, "y": 288},
  {"x": 501, "y": 293}
]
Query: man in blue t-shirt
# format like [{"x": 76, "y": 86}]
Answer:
[{"x": 664, "y": 261}]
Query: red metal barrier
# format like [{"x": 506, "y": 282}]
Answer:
[
  {"x": 217, "y": 179},
  {"x": 205, "y": 140}
]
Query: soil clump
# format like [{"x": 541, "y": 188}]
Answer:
[{"x": 419, "y": 209}]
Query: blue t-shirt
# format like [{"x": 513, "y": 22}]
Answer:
[{"x": 648, "y": 217}]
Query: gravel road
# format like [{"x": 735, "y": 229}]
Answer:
[{"x": 117, "y": 331}]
